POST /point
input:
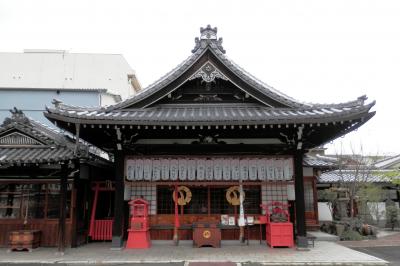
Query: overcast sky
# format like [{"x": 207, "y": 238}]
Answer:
[{"x": 315, "y": 51}]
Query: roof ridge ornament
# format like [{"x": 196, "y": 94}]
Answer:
[
  {"x": 208, "y": 36},
  {"x": 16, "y": 116}
]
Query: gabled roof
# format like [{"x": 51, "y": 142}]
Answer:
[
  {"x": 24, "y": 141},
  {"x": 274, "y": 107},
  {"x": 206, "y": 47},
  {"x": 247, "y": 102}
]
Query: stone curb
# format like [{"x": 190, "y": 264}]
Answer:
[{"x": 108, "y": 262}]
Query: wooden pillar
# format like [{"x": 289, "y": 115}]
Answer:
[
  {"x": 118, "y": 225},
  {"x": 63, "y": 207},
  {"x": 300, "y": 205},
  {"x": 74, "y": 208}
]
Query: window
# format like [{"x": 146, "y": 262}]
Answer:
[
  {"x": 309, "y": 195},
  {"x": 32, "y": 201}
]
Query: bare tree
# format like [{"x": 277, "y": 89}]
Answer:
[{"x": 355, "y": 170}]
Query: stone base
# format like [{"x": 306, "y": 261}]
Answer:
[
  {"x": 117, "y": 243},
  {"x": 302, "y": 242}
]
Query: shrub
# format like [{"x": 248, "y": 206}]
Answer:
[{"x": 351, "y": 235}]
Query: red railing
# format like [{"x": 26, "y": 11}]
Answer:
[{"x": 102, "y": 230}]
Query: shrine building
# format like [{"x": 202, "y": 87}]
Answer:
[{"x": 203, "y": 130}]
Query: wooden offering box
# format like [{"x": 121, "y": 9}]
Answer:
[
  {"x": 280, "y": 234},
  {"x": 24, "y": 239},
  {"x": 279, "y": 229},
  {"x": 206, "y": 234}
]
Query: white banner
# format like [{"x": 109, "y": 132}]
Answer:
[
  {"x": 262, "y": 171},
  {"x": 244, "y": 169},
  {"x": 182, "y": 169},
  {"x": 201, "y": 169},
  {"x": 218, "y": 169},
  {"x": 235, "y": 169},
  {"x": 173, "y": 169},
  {"x": 192, "y": 167},
  {"x": 139, "y": 169},
  {"x": 209, "y": 169},
  {"x": 147, "y": 169},
  {"x": 156, "y": 170},
  {"x": 165, "y": 169},
  {"x": 226, "y": 169},
  {"x": 130, "y": 171},
  {"x": 253, "y": 169}
]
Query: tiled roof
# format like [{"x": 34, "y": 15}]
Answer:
[
  {"x": 35, "y": 155},
  {"x": 136, "y": 109},
  {"x": 316, "y": 162},
  {"x": 215, "y": 114},
  {"x": 369, "y": 175},
  {"x": 37, "y": 143},
  {"x": 388, "y": 162}
]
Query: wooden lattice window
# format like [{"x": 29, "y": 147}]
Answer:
[{"x": 199, "y": 203}]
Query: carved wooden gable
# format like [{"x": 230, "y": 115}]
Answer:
[
  {"x": 207, "y": 84},
  {"x": 18, "y": 139}
]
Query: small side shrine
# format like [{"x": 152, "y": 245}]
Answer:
[
  {"x": 210, "y": 127},
  {"x": 44, "y": 176},
  {"x": 139, "y": 234}
]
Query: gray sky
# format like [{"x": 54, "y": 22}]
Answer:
[{"x": 315, "y": 51}]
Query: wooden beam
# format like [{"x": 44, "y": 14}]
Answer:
[{"x": 118, "y": 225}]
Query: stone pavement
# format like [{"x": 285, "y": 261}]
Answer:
[
  {"x": 391, "y": 239},
  {"x": 324, "y": 253}
]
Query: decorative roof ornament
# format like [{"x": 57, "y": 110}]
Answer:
[
  {"x": 208, "y": 72},
  {"x": 16, "y": 116},
  {"x": 208, "y": 36}
]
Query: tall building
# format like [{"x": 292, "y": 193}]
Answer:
[{"x": 32, "y": 79}]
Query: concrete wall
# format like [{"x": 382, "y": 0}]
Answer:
[{"x": 33, "y": 101}]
